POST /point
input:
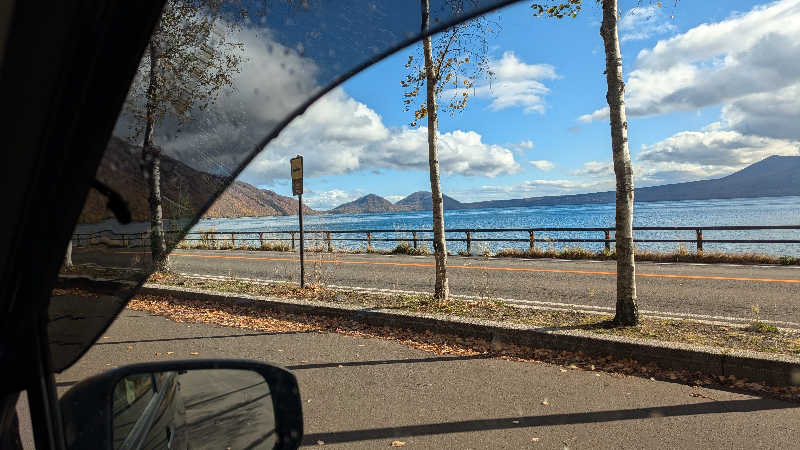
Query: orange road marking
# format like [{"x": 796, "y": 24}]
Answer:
[{"x": 507, "y": 269}]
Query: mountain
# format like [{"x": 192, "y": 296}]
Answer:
[
  {"x": 421, "y": 201},
  {"x": 771, "y": 177},
  {"x": 370, "y": 203},
  {"x": 184, "y": 190},
  {"x": 245, "y": 200}
]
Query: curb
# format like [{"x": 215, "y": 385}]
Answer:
[{"x": 780, "y": 370}]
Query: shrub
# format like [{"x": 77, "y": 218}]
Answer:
[{"x": 404, "y": 248}]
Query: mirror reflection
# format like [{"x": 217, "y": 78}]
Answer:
[{"x": 193, "y": 409}]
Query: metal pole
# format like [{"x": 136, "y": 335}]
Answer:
[
  {"x": 699, "y": 240},
  {"x": 608, "y": 240},
  {"x": 469, "y": 243},
  {"x": 302, "y": 261}
]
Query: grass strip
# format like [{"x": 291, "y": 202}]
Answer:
[{"x": 757, "y": 336}]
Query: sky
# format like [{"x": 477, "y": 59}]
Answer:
[{"x": 712, "y": 86}]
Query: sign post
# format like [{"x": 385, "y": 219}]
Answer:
[{"x": 297, "y": 189}]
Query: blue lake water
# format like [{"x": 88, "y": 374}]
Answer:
[{"x": 694, "y": 213}]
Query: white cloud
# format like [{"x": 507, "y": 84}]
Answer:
[
  {"x": 692, "y": 155},
  {"x": 716, "y": 64},
  {"x": 339, "y": 135},
  {"x": 595, "y": 169},
  {"x": 526, "y": 144},
  {"x": 542, "y": 165},
  {"x": 720, "y": 148},
  {"x": 517, "y": 84},
  {"x": 273, "y": 81},
  {"x": 643, "y": 22},
  {"x": 537, "y": 188},
  {"x": 775, "y": 114},
  {"x": 600, "y": 114},
  {"x": 330, "y": 199}
]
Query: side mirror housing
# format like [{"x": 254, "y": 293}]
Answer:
[{"x": 218, "y": 403}]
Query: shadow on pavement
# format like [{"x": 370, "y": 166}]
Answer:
[
  {"x": 387, "y": 361},
  {"x": 551, "y": 420},
  {"x": 191, "y": 338}
]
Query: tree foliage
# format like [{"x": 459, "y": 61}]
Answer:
[
  {"x": 460, "y": 59},
  {"x": 558, "y": 9},
  {"x": 196, "y": 57}
]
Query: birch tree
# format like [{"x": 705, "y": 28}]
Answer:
[
  {"x": 190, "y": 58},
  {"x": 451, "y": 64},
  {"x": 627, "y": 312}
]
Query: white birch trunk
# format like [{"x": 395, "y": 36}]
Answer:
[
  {"x": 627, "y": 312},
  {"x": 441, "y": 289},
  {"x": 68, "y": 255},
  {"x": 151, "y": 159}
]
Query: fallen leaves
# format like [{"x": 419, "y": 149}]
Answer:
[
  {"x": 251, "y": 316},
  {"x": 398, "y": 444}
]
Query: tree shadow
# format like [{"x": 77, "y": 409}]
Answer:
[
  {"x": 389, "y": 361},
  {"x": 740, "y": 406},
  {"x": 191, "y": 338}
]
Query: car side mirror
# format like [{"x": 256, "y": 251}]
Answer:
[{"x": 185, "y": 404}]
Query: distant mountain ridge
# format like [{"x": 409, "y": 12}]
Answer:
[
  {"x": 421, "y": 201},
  {"x": 774, "y": 176},
  {"x": 371, "y": 203},
  {"x": 184, "y": 190}
]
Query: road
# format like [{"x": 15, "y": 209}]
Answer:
[
  {"x": 367, "y": 393},
  {"x": 703, "y": 290}
]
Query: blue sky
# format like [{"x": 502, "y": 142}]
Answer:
[{"x": 712, "y": 87}]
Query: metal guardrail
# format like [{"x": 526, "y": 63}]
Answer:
[{"x": 414, "y": 236}]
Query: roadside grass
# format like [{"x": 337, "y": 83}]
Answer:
[
  {"x": 573, "y": 252},
  {"x": 680, "y": 255},
  {"x": 404, "y": 248},
  {"x": 757, "y": 336}
]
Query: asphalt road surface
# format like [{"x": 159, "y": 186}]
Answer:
[
  {"x": 367, "y": 393},
  {"x": 713, "y": 290}
]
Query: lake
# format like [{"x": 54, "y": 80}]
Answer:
[{"x": 694, "y": 213}]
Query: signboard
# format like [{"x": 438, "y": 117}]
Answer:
[
  {"x": 297, "y": 189},
  {"x": 297, "y": 175}
]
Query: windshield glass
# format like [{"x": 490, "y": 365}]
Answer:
[
  {"x": 572, "y": 212},
  {"x": 217, "y": 83}
]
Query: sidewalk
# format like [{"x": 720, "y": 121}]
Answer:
[{"x": 367, "y": 393}]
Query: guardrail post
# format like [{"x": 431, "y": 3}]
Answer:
[
  {"x": 369, "y": 241},
  {"x": 233, "y": 240},
  {"x": 261, "y": 239},
  {"x": 415, "y": 240},
  {"x": 699, "y": 240},
  {"x": 469, "y": 243},
  {"x": 532, "y": 241},
  {"x": 608, "y": 240},
  {"x": 292, "y": 240},
  {"x": 330, "y": 244}
]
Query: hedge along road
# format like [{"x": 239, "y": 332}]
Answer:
[{"x": 713, "y": 290}]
